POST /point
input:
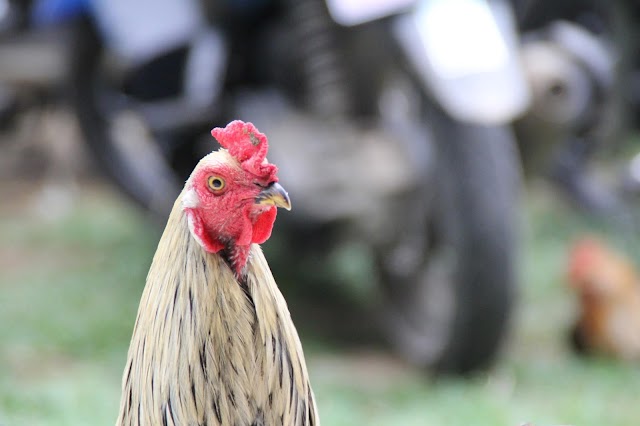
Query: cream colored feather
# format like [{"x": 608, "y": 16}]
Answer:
[{"x": 209, "y": 350}]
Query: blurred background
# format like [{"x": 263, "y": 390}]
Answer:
[{"x": 464, "y": 176}]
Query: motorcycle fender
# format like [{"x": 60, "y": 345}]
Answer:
[{"x": 466, "y": 53}]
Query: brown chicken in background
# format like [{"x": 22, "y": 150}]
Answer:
[
  {"x": 213, "y": 341},
  {"x": 608, "y": 288}
]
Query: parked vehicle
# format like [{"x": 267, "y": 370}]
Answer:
[
  {"x": 448, "y": 266},
  {"x": 391, "y": 129}
]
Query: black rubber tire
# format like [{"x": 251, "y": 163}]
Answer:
[
  {"x": 472, "y": 213},
  {"x": 152, "y": 188}
]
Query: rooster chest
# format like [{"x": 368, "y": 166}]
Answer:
[
  {"x": 207, "y": 349},
  {"x": 222, "y": 361}
]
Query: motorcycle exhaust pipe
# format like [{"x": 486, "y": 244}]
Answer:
[
  {"x": 569, "y": 72},
  {"x": 562, "y": 90},
  {"x": 562, "y": 96}
]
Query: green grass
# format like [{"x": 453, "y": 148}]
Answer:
[{"x": 69, "y": 290}]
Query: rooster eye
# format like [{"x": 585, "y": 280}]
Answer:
[{"x": 216, "y": 184}]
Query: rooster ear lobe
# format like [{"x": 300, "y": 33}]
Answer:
[{"x": 199, "y": 233}]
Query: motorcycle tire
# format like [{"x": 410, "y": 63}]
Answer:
[
  {"x": 136, "y": 165},
  {"x": 452, "y": 312}
]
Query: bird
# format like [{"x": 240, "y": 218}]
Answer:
[
  {"x": 608, "y": 288},
  {"x": 213, "y": 341}
]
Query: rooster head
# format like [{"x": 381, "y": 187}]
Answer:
[
  {"x": 232, "y": 195},
  {"x": 596, "y": 270}
]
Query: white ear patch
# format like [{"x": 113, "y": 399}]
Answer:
[
  {"x": 192, "y": 226},
  {"x": 190, "y": 199}
]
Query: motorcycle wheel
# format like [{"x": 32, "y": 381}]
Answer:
[
  {"x": 446, "y": 254},
  {"x": 140, "y": 162},
  {"x": 451, "y": 313}
]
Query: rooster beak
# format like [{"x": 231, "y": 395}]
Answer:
[{"x": 274, "y": 195}]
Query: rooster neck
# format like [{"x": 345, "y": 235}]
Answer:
[
  {"x": 210, "y": 349},
  {"x": 194, "y": 341}
]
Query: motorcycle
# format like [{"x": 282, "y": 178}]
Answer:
[
  {"x": 390, "y": 124},
  {"x": 448, "y": 262}
]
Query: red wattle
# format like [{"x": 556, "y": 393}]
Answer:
[
  {"x": 263, "y": 225},
  {"x": 245, "y": 235}
]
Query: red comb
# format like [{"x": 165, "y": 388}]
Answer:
[{"x": 247, "y": 145}]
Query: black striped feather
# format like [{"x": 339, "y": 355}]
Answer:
[{"x": 209, "y": 350}]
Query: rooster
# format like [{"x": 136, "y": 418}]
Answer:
[
  {"x": 608, "y": 288},
  {"x": 213, "y": 342}
]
